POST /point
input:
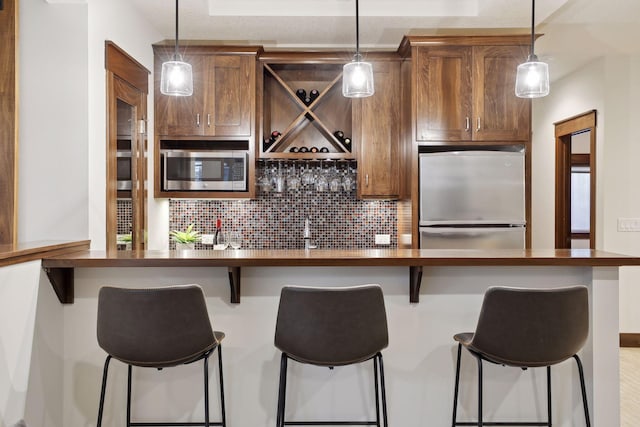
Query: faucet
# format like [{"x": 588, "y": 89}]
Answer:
[{"x": 306, "y": 235}]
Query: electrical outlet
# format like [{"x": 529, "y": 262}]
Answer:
[
  {"x": 383, "y": 239},
  {"x": 628, "y": 224},
  {"x": 207, "y": 239}
]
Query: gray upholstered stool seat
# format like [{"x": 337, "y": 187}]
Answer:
[
  {"x": 332, "y": 327},
  {"x": 157, "y": 328},
  {"x": 527, "y": 328}
]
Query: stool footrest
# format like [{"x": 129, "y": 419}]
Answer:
[
  {"x": 330, "y": 423},
  {"x": 502, "y": 423},
  {"x": 174, "y": 424}
]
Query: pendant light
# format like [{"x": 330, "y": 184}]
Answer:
[
  {"x": 357, "y": 76},
  {"x": 532, "y": 79},
  {"x": 177, "y": 77}
]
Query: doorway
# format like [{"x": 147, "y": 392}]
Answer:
[
  {"x": 576, "y": 182},
  {"x": 127, "y": 89}
]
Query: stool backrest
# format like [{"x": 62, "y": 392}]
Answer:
[
  {"x": 331, "y": 326},
  {"x": 532, "y": 327},
  {"x": 157, "y": 327}
]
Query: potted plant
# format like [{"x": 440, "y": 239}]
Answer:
[{"x": 185, "y": 239}]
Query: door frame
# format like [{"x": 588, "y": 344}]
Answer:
[
  {"x": 564, "y": 130},
  {"x": 127, "y": 80}
]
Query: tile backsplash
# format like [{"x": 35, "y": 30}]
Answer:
[{"x": 276, "y": 220}]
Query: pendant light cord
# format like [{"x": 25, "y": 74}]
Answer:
[
  {"x": 175, "y": 53},
  {"x": 533, "y": 23},
  {"x": 357, "y": 31}
]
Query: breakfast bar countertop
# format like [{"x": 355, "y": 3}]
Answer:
[
  {"x": 340, "y": 257},
  {"x": 60, "y": 268}
]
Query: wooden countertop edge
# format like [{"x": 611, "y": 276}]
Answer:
[
  {"x": 337, "y": 258},
  {"x": 24, "y": 252}
]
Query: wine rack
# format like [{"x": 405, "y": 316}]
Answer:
[{"x": 304, "y": 103}]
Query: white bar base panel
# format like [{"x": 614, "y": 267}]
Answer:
[{"x": 419, "y": 362}]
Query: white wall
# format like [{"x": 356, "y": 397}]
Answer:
[
  {"x": 118, "y": 21},
  {"x": 18, "y": 302},
  {"x": 611, "y": 85},
  {"x": 52, "y": 178}
]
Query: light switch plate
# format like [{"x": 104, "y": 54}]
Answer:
[
  {"x": 383, "y": 239},
  {"x": 207, "y": 239}
]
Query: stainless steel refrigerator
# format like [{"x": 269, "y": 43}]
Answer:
[{"x": 472, "y": 199}]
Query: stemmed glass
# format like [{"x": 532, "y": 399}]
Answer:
[
  {"x": 293, "y": 180},
  {"x": 307, "y": 177},
  {"x": 322, "y": 184},
  {"x": 235, "y": 240}
]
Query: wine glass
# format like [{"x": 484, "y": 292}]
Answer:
[{"x": 235, "y": 240}]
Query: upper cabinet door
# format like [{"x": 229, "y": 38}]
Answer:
[
  {"x": 443, "y": 93},
  {"x": 499, "y": 114},
  {"x": 222, "y": 100},
  {"x": 230, "y": 95},
  {"x": 377, "y": 132},
  {"x": 180, "y": 115}
]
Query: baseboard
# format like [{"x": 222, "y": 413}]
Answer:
[{"x": 629, "y": 340}]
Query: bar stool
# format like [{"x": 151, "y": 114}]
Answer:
[
  {"x": 332, "y": 327},
  {"x": 157, "y": 328},
  {"x": 527, "y": 328}
]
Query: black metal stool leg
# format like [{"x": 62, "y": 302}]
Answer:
[
  {"x": 549, "y": 396},
  {"x": 222, "y": 408},
  {"x": 376, "y": 389},
  {"x": 584, "y": 390},
  {"x": 103, "y": 389},
  {"x": 206, "y": 390},
  {"x": 479, "y": 391},
  {"x": 129, "y": 368},
  {"x": 384, "y": 393},
  {"x": 455, "y": 389},
  {"x": 282, "y": 391}
]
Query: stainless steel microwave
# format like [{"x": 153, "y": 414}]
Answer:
[{"x": 188, "y": 170}]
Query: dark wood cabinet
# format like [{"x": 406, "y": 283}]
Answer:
[
  {"x": 466, "y": 93},
  {"x": 221, "y": 112},
  {"x": 377, "y": 132},
  {"x": 222, "y": 103},
  {"x": 443, "y": 93},
  {"x": 500, "y": 114}
]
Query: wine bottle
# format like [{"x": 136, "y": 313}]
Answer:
[
  {"x": 218, "y": 231},
  {"x": 314, "y": 94},
  {"x": 307, "y": 100},
  {"x": 218, "y": 238},
  {"x": 301, "y": 93},
  {"x": 314, "y": 149},
  {"x": 293, "y": 149},
  {"x": 275, "y": 135},
  {"x": 347, "y": 143},
  {"x": 266, "y": 144},
  {"x": 324, "y": 150},
  {"x": 339, "y": 134}
]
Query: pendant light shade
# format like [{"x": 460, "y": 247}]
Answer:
[
  {"x": 177, "y": 76},
  {"x": 532, "y": 78},
  {"x": 357, "y": 76}
]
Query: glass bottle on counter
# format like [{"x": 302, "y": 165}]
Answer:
[{"x": 218, "y": 238}]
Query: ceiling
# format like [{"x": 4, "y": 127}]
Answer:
[{"x": 575, "y": 31}]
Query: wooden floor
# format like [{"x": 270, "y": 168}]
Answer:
[{"x": 630, "y": 387}]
